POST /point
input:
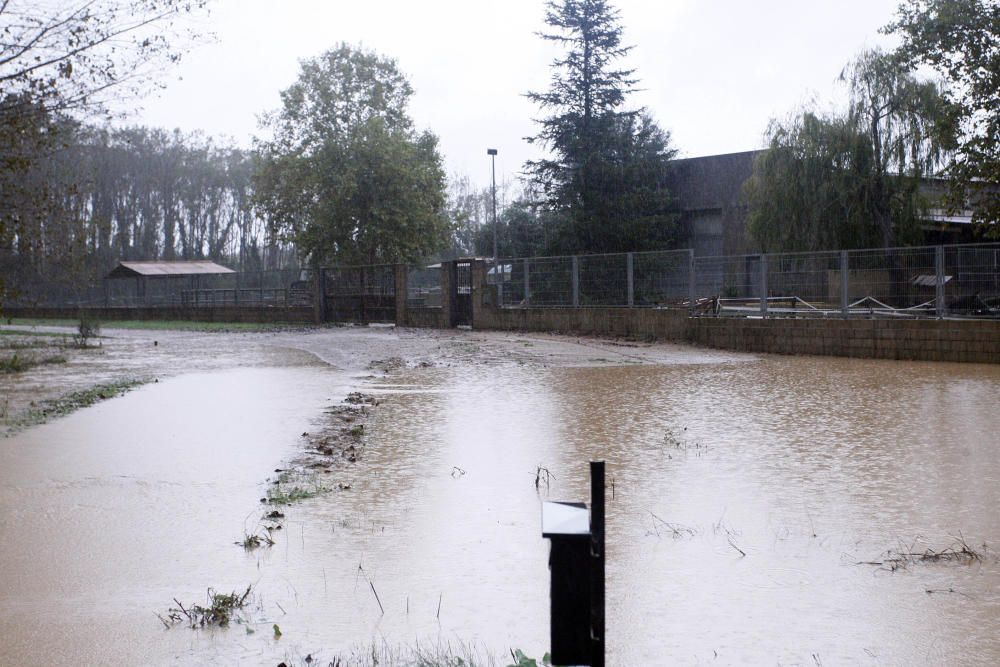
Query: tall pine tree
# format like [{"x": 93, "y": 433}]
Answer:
[{"x": 604, "y": 181}]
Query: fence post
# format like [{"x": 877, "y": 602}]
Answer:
[
  {"x": 630, "y": 277},
  {"x": 939, "y": 283},
  {"x": 363, "y": 281},
  {"x": 319, "y": 295},
  {"x": 845, "y": 283},
  {"x": 763, "y": 285},
  {"x": 692, "y": 290},
  {"x": 499, "y": 276},
  {"x": 527, "y": 285},
  {"x": 576, "y": 281}
]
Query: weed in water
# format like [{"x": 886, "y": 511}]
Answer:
[
  {"x": 253, "y": 541},
  {"x": 220, "y": 610},
  {"x": 958, "y": 552}
]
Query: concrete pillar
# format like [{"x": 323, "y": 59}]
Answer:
[{"x": 401, "y": 275}]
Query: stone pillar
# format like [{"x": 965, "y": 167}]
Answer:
[{"x": 401, "y": 274}]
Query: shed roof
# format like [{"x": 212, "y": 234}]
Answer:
[{"x": 184, "y": 268}]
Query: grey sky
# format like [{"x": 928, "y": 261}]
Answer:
[{"x": 713, "y": 73}]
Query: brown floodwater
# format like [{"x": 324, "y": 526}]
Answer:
[{"x": 806, "y": 465}]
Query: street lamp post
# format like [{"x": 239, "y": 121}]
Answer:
[{"x": 492, "y": 152}]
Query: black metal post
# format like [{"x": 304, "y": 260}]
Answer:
[{"x": 597, "y": 563}]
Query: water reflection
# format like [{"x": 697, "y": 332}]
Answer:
[{"x": 805, "y": 465}]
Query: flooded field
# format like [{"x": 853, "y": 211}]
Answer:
[{"x": 762, "y": 511}]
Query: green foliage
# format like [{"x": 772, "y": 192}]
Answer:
[
  {"x": 346, "y": 175},
  {"x": 521, "y": 660},
  {"x": 960, "y": 40},
  {"x": 851, "y": 179},
  {"x": 64, "y": 405},
  {"x": 604, "y": 184}
]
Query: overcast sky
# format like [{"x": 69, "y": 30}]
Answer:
[{"x": 713, "y": 72}]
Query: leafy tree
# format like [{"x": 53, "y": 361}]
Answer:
[
  {"x": 605, "y": 179},
  {"x": 70, "y": 57},
  {"x": 851, "y": 179},
  {"x": 346, "y": 176},
  {"x": 960, "y": 39}
]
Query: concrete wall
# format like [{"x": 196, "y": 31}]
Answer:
[
  {"x": 424, "y": 317},
  {"x": 267, "y": 315},
  {"x": 918, "y": 340},
  {"x": 921, "y": 340}
]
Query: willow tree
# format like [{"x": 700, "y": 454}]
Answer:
[
  {"x": 604, "y": 179},
  {"x": 346, "y": 175},
  {"x": 852, "y": 178}
]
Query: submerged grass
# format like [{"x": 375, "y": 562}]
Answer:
[
  {"x": 64, "y": 405},
  {"x": 17, "y": 363},
  {"x": 278, "y": 495},
  {"x": 382, "y": 654}
]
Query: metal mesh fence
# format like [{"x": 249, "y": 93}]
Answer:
[
  {"x": 887, "y": 280},
  {"x": 423, "y": 287},
  {"x": 927, "y": 281},
  {"x": 972, "y": 279},
  {"x": 661, "y": 279},
  {"x": 279, "y": 288}
]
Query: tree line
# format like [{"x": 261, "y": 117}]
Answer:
[
  {"x": 343, "y": 175},
  {"x": 137, "y": 194}
]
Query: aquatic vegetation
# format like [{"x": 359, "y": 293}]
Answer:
[{"x": 220, "y": 610}]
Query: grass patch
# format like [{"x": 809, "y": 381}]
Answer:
[
  {"x": 33, "y": 334},
  {"x": 18, "y": 364},
  {"x": 175, "y": 325},
  {"x": 64, "y": 405}
]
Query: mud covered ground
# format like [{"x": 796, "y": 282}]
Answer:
[{"x": 59, "y": 368}]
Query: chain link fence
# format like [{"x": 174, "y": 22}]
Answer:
[
  {"x": 278, "y": 288},
  {"x": 927, "y": 281}
]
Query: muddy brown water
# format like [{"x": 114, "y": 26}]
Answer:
[{"x": 807, "y": 465}]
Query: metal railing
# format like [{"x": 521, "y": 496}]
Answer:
[{"x": 927, "y": 281}]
